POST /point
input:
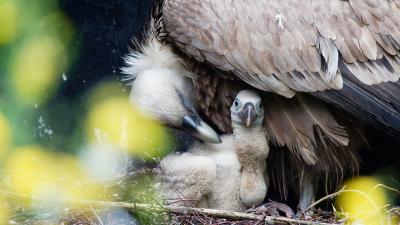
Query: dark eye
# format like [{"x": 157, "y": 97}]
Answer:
[
  {"x": 236, "y": 103},
  {"x": 260, "y": 105}
]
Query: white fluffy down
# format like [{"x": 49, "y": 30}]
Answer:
[
  {"x": 154, "y": 92},
  {"x": 150, "y": 55},
  {"x": 228, "y": 176},
  {"x": 156, "y": 74},
  {"x": 186, "y": 178},
  {"x": 209, "y": 174}
]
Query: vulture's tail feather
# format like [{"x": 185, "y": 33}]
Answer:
[
  {"x": 300, "y": 123},
  {"x": 378, "y": 105},
  {"x": 323, "y": 151}
]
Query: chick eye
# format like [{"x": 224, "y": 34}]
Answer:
[
  {"x": 236, "y": 103},
  {"x": 260, "y": 105}
]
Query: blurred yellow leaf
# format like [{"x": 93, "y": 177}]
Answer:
[
  {"x": 4, "y": 211},
  {"x": 40, "y": 174},
  {"x": 36, "y": 69},
  {"x": 106, "y": 90},
  {"x": 5, "y": 207},
  {"x": 30, "y": 169},
  {"x": 57, "y": 25},
  {"x": 77, "y": 184},
  {"x": 8, "y": 21},
  {"x": 365, "y": 202},
  {"x": 115, "y": 121},
  {"x": 5, "y": 136}
]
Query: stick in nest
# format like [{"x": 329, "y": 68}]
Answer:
[
  {"x": 135, "y": 207},
  {"x": 344, "y": 190}
]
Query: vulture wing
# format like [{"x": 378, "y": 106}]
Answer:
[
  {"x": 289, "y": 46},
  {"x": 300, "y": 123}
]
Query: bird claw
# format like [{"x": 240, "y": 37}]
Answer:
[
  {"x": 304, "y": 215},
  {"x": 274, "y": 209},
  {"x": 281, "y": 207}
]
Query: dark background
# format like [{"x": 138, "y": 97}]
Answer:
[{"x": 105, "y": 29}]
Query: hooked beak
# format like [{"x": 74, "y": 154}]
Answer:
[
  {"x": 200, "y": 129},
  {"x": 248, "y": 114}
]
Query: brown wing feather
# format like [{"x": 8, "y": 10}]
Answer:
[
  {"x": 214, "y": 96},
  {"x": 299, "y": 124},
  {"x": 334, "y": 162},
  {"x": 268, "y": 44}
]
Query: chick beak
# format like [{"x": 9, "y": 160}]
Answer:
[
  {"x": 200, "y": 129},
  {"x": 248, "y": 114}
]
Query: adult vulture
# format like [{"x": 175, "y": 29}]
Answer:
[{"x": 345, "y": 53}]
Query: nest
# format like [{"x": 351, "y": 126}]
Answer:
[{"x": 317, "y": 217}]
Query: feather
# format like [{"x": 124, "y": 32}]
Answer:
[
  {"x": 330, "y": 55},
  {"x": 378, "y": 104},
  {"x": 362, "y": 36},
  {"x": 355, "y": 29}
]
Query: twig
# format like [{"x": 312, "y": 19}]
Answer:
[
  {"x": 178, "y": 210},
  {"x": 395, "y": 210},
  {"x": 325, "y": 198},
  {"x": 95, "y": 213},
  {"x": 343, "y": 190},
  {"x": 354, "y": 191},
  {"x": 384, "y": 186}
]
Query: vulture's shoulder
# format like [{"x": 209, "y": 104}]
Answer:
[
  {"x": 337, "y": 50},
  {"x": 278, "y": 45}
]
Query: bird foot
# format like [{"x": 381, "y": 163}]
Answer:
[
  {"x": 273, "y": 208},
  {"x": 301, "y": 214}
]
